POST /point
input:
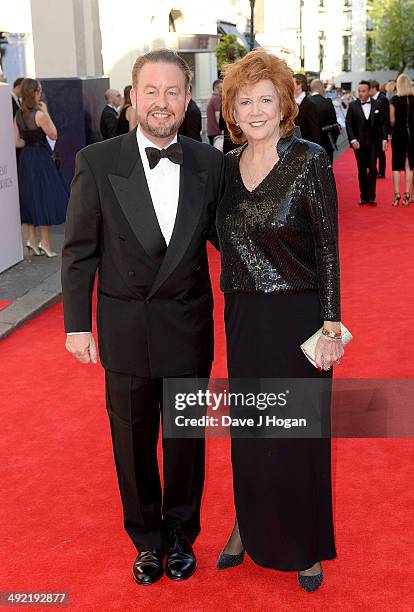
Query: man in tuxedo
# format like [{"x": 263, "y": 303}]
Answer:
[
  {"x": 16, "y": 102},
  {"x": 384, "y": 106},
  {"x": 110, "y": 113},
  {"x": 141, "y": 210},
  {"x": 325, "y": 116},
  {"x": 16, "y": 94},
  {"x": 306, "y": 119},
  {"x": 367, "y": 132}
]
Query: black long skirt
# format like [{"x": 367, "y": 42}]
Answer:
[{"x": 282, "y": 487}]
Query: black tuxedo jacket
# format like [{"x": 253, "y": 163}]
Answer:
[
  {"x": 108, "y": 122},
  {"x": 384, "y": 105},
  {"x": 325, "y": 115},
  {"x": 155, "y": 303},
  {"x": 355, "y": 120},
  {"x": 15, "y": 107},
  {"x": 307, "y": 120}
]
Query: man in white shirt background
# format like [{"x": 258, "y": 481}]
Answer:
[
  {"x": 307, "y": 118},
  {"x": 141, "y": 211},
  {"x": 367, "y": 132},
  {"x": 109, "y": 114}
]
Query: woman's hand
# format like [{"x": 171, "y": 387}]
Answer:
[
  {"x": 43, "y": 107},
  {"x": 328, "y": 352}
]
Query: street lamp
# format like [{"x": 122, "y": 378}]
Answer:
[{"x": 252, "y": 3}]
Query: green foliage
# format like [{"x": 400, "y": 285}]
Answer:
[
  {"x": 393, "y": 34},
  {"x": 229, "y": 50}
]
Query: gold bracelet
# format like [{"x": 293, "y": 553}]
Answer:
[{"x": 331, "y": 334}]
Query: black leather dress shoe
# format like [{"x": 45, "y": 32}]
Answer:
[
  {"x": 148, "y": 566},
  {"x": 181, "y": 561}
]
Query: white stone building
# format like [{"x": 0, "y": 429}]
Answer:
[
  {"x": 67, "y": 38},
  {"x": 324, "y": 37}
]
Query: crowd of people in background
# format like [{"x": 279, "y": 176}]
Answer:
[{"x": 373, "y": 116}]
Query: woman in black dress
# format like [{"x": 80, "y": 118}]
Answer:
[
  {"x": 42, "y": 190},
  {"x": 402, "y": 123},
  {"x": 277, "y": 224},
  {"x": 127, "y": 117}
]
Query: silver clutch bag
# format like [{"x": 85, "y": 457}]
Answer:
[{"x": 308, "y": 347}]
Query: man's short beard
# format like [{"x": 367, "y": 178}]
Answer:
[{"x": 161, "y": 131}]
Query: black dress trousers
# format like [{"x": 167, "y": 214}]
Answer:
[
  {"x": 135, "y": 407},
  {"x": 367, "y": 171}
]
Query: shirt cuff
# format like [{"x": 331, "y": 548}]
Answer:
[{"x": 74, "y": 333}]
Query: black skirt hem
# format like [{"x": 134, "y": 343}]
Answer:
[{"x": 302, "y": 567}]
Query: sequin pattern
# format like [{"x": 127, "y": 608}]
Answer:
[{"x": 282, "y": 236}]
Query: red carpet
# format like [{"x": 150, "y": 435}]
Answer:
[
  {"x": 60, "y": 511},
  {"x": 4, "y": 304}
]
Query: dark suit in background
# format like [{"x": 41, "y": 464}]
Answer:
[
  {"x": 307, "y": 120},
  {"x": 155, "y": 317},
  {"x": 325, "y": 115},
  {"x": 191, "y": 126},
  {"x": 16, "y": 107},
  {"x": 384, "y": 106},
  {"x": 370, "y": 133},
  {"x": 108, "y": 123}
]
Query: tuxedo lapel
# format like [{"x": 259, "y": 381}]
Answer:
[
  {"x": 190, "y": 206},
  {"x": 131, "y": 190},
  {"x": 361, "y": 111}
]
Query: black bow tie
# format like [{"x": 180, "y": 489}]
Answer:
[
  {"x": 174, "y": 153},
  {"x": 367, "y": 102}
]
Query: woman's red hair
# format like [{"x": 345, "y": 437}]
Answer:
[{"x": 252, "y": 68}]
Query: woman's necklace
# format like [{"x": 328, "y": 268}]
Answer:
[
  {"x": 251, "y": 181},
  {"x": 256, "y": 181}
]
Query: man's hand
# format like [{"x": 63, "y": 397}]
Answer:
[
  {"x": 384, "y": 145},
  {"x": 83, "y": 347},
  {"x": 355, "y": 145}
]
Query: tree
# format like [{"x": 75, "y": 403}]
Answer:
[
  {"x": 229, "y": 50},
  {"x": 392, "y": 35}
]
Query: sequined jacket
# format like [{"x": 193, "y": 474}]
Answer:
[{"x": 283, "y": 236}]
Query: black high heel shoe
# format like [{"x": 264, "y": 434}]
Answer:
[
  {"x": 225, "y": 560},
  {"x": 406, "y": 199},
  {"x": 396, "y": 199},
  {"x": 310, "y": 583}
]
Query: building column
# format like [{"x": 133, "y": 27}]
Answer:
[{"x": 71, "y": 47}]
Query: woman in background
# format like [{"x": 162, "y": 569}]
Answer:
[
  {"x": 43, "y": 193},
  {"x": 127, "y": 118},
  {"x": 402, "y": 124}
]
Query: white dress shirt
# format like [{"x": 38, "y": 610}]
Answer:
[
  {"x": 164, "y": 186},
  {"x": 366, "y": 108},
  {"x": 299, "y": 99}
]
